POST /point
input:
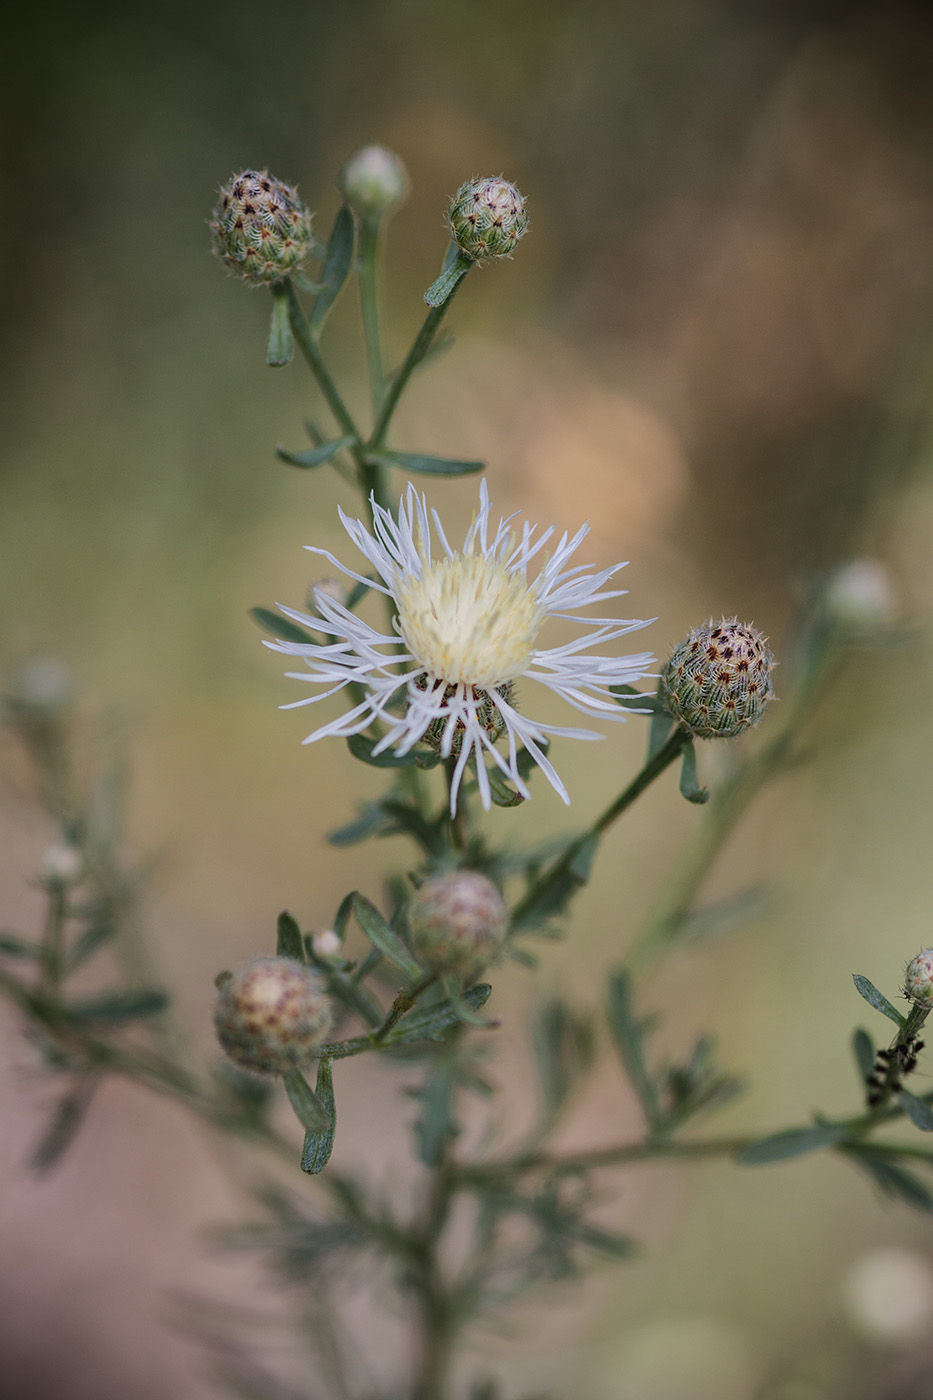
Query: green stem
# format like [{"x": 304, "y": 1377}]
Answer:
[
  {"x": 524, "y": 911},
  {"x": 416, "y": 354},
  {"x": 369, "y": 307},
  {"x": 53, "y": 938},
  {"x": 309, "y": 348}
]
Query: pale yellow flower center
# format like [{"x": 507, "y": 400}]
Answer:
[{"x": 468, "y": 619}]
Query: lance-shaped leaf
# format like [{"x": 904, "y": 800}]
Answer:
[
  {"x": 279, "y": 626},
  {"x": 118, "y": 1006},
  {"x": 892, "y": 1179},
  {"x": 14, "y": 947},
  {"x": 318, "y": 1146},
  {"x": 382, "y": 936},
  {"x": 337, "y": 261},
  {"x": 423, "y": 465},
  {"x": 63, "y": 1126},
  {"x": 918, "y": 1111},
  {"x": 794, "y": 1142},
  {"x": 874, "y": 998},
  {"x": 863, "y": 1049},
  {"x": 563, "y": 1045},
  {"x": 288, "y": 942},
  {"x": 281, "y": 345},
  {"x": 430, "y": 1022},
  {"x": 501, "y": 792},
  {"x": 628, "y": 1035},
  {"x": 362, "y": 748},
  {"x": 689, "y": 787},
  {"x": 436, "y": 1126},
  {"x": 314, "y": 456},
  {"x": 310, "y": 1113}
]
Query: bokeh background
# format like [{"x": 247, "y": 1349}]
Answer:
[{"x": 715, "y": 343}]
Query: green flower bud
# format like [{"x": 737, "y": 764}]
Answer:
[
  {"x": 860, "y": 595},
  {"x": 271, "y": 1015},
  {"x": 458, "y": 923},
  {"x": 262, "y": 231},
  {"x": 487, "y": 218},
  {"x": 718, "y": 680},
  {"x": 918, "y": 979},
  {"x": 372, "y": 180}
]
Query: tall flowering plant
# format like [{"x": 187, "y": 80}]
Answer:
[{"x": 438, "y": 686}]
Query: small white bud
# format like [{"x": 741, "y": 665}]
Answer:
[
  {"x": 326, "y": 943},
  {"x": 372, "y": 180},
  {"x": 62, "y": 864},
  {"x": 889, "y": 1295},
  {"x": 860, "y": 594}
]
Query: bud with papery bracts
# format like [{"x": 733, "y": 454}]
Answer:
[
  {"x": 918, "y": 979},
  {"x": 372, "y": 181},
  {"x": 458, "y": 923},
  {"x": 718, "y": 681},
  {"x": 261, "y": 229},
  {"x": 271, "y": 1015},
  {"x": 487, "y": 218}
]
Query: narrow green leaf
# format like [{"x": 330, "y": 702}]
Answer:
[
  {"x": 118, "y": 1006},
  {"x": 689, "y": 787},
  {"x": 318, "y": 1146},
  {"x": 15, "y": 947},
  {"x": 424, "y": 465},
  {"x": 436, "y": 1126},
  {"x": 725, "y": 915},
  {"x": 372, "y": 821},
  {"x": 581, "y": 862},
  {"x": 281, "y": 627},
  {"x": 281, "y": 346},
  {"x": 456, "y": 265},
  {"x": 362, "y": 748},
  {"x": 384, "y": 937},
  {"x": 658, "y": 732},
  {"x": 309, "y": 1112},
  {"x": 894, "y": 1180},
  {"x": 874, "y": 998},
  {"x": 288, "y": 938},
  {"x": 63, "y": 1126},
  {"x": 627, "y": 1034},
  {"x": 918, "y": 1111},
  {"x": 315, "y": 456},
  {"x": 99, "y": 931},
  {"x": 334, "y": 271},
  {"x": 502, "y": 794},
  {"x": 794, "y": 1142},
  {"x": 430, "y": 1022},
  {"x": 863, "y": 1049}
]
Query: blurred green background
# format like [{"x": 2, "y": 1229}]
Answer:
[{"x": 715, "y": 343}]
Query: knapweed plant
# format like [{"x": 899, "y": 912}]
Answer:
[{"x": 428, "y": 651}]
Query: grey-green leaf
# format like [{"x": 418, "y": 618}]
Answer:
[
  {"x": 119, "y": 1006},
  {"x": 281, "y": 627},
  {"x": 362, "y": 748},
  {"x": 689, "y": 787},
  {"x": 894, "y": 1180},
  {"x": 288, "y": 940},
  {"x": 384, "y": 937},
  {"x": 334, "y": 271},
  {"x": 863, "y": 1049},
  {"x": 314, "y": 456},
  {"x": 430, "y": 1023},
  {"x": 281, "y": 345},
  {"x": 918, "y": 1111},
  {"x": 319, "y": 1145},
  {"x": 63, "y": 1126},
  {"x": 794, "y": 1142},
  {"x": 308, "y": 1110},
  {"x": 424, "y": 465},
  {"x": 874, "y": 998},
  {"x": 627, "y": 1034}
]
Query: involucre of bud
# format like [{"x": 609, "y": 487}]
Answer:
[
  {"x": 458, "y": 923},
  {"x": 262, "y": 231},
  {"x": 487, "y": 218},
  {"x": 918, "y": 979},
  {"x": 718, "y": 680},
  {"x": 372, "y": 180},
  {"x": 271, "y": 1015}
]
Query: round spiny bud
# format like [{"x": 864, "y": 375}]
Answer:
[
  {"x": 458, "y": 923},
  {"x": 372, "y": 180},
  {"x": 718, "y": 680},
  {"x": 261, "y": 229},
  {"x": 918, "y": 979},
  {"x": 487, "y": 218},
  {"x": 271, "y": 1015}
]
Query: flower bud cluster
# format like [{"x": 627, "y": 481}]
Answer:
[
  {"x": 487, "y": 218},
  {"x": 918, "y": 979},
  {"x": 372, "y": 180},
  {"x": 718, "y": 680},
  {"x": 262, "y": 231},
  {"x": 271, "y": 1015},
  {"x": 458, "y": 923}
]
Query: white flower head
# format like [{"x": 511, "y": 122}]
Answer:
[{"x": 466, "y": 629}]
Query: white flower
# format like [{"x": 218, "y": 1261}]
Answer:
[{"x": 466, "y": 628}]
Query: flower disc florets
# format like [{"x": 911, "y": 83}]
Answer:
[
  {"x": 271, "y": 1015},
  {"x": 918, "y": 979},
  {"x": 487, "y": 218},
  {"x": 718, "y": 680},
  {"x": 373, "y": 180},
  {"x": 261, "y": 229},
  {"x": 466, "y": 628},
  {"x": 458, "y": 923}
]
